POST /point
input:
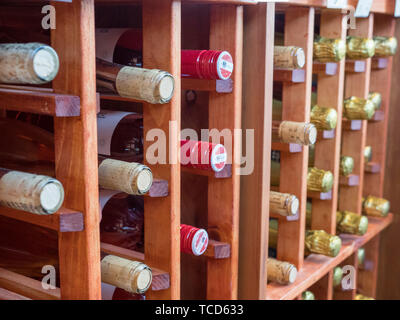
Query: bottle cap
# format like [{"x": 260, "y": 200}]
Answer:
[
  {"x": 200, "y": 242},
  {"x": 321, "y": 242},
  {"x": 346, "y": 165},
  {"x": 337, "y": 276},
  {"x": 377, "y": 207},
  {"x": 358, "y": 108},
  {"x": 319, "y": 180},
  {"x": 297, "y": 132},
  {"x": 218, "y": 157},
  {"x": 360, "y": 48},
  {"x": 281, "y": 271},
  {"x": 376, "y": 99},
  {"x": 307, "y": 295},
  {"x": 224, "y": 65},
  {"x": 367, "y": 154},
  {"x": 165, "y": 88},
  {"x": 293, "y": 204},
  {"x": 45, "y": 63},
  {"x": 329, "y": 50},
  {"x": 324, "y": 118},
  {"x": 52, "y": 195},
  {"x": 351, "y": 223},
  {"x": 385, "y": 46}
]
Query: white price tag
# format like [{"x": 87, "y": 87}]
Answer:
[
  {"x": 363, "y": 8},
  {"x": 336, "y": 4},
  {"x": 397, "y": 9}
]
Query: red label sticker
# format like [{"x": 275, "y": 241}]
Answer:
[{"x": 225, "y": 65}]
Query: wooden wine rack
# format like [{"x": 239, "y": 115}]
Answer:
[
  {"x": 234, "y": 209},
  {"x": 334, "y": 83}
]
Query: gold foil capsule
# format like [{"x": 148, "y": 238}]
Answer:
[
  {"x": 361, "y": 257},
  {"x": 329, "y": 50},
  {"x": 358, "y": 108},
  {"x": 346, "y": 165},
  {"x": 385, "y": 46},
  {"x": 351, "y": 223},
  {"x": 323, "y": 118},
  {"x": 376, "y": 207},
  {"x": 361, "y": 297},
  {"x": 307, "y": 295},
  {"x": 321, "y": 242},
  {"x": 360, "y": 48},
  {"x": 337, "y": 276},
  {"x": 367, "y": 154},
  {"x": 319, "y": 180},
  {"x": 376, "y": 99}
]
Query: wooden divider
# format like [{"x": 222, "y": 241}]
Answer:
[
  {"x": 226, "y": 33},
  {"x": 161, "y": 30},
  {"x": 257, "y": 113},
  {"x": 353, "y": 142},
  {"x": 296, "y": 100}
]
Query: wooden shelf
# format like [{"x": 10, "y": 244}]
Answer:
[{"x": 64, "y": 220}]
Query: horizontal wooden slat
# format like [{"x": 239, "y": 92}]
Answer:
[
  {"x": 356, "y": 65},
  {"x": 286, "y": 147},
  {"x": 320, "y": 195},
  {"x": 8, "y": 295},
  {"x": 218, "y": 250},
  {"x": 294, "y": 76},
  {"x": 27, "y": 287},
  {"x": 52, "y": 104},
  {"x": 64, "y": 220},
  {"x": 161, "y": 279},
  {"x": 226, "y": 172},
  {"x": 350, "y": 181},
  {"x": 328, "y": 69},
  {"x": 220, "y": 86},
  {"x": 372, "y": 167}
]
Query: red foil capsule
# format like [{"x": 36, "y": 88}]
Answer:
[
  {"x": 206, "y": 64},
  {"x": 203, "y": 155},
  {"x": 193, "y": 240}
]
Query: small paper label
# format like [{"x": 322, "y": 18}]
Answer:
[
  {"x": 106, "y": 123},
  {"x": 363, "y": 8},
  {"x": 336, "y": 4},
  {"x": 107, "y": 291},
  {"x": 105, "y": 195},
  {"x": 106, "y": 40}
]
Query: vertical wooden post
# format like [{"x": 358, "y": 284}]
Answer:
[
  {"x": 161, "y": 50},
  {"x": 257, "y": 102},
  {"x": 226, "y": 33},
  {"x": 353, "y": 142},
  {"x": 377, "y": 131},
  {"x": 368, "y": 275},
  {"x": 76, "y": 149},
  {"x": 349, "y": 294},
  {"x": 296, "y": 100},
  {"x": 323, "y": 288},
  {"x": 327, "y": 151}
]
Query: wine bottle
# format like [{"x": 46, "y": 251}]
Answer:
[
  {"x": 30, "y": 192},
  {"x": 203, "y": 155},
  {"x": 376, "y": 99},
  {"x": 284, "y": 204},
  {"x": 125, "y": 46},
  {"x": 322, "y": 118},
  {"x": 317, "y": 180},
  {"x": 361, "y": 257},
  {"x": 328, "y": 50},
  {"x": 375, "y": 207},
  {"x": 120, "y": 135},
  {"x": 355, "y": 108},
  {"x": 307, "y": 295},
  {"x": 149, "y": 85},
  {"x": 359, "y": 48},
  {"x": 281, "y": 272},
  {"x": 367, "y": 154},
  {"x": 316, "y": 241},
  {"x": 122, "y": 224},
  {"x": 27, "y": 63},
  {"x": 337, "y": 276},
  {"x": 385, "y": 46},
  {"x": 289, "y": 57},
  {"x": 346, "y": 221},
  {"x": 361, "y": 297},
  {"x": 346, "y": 165},
  {"x": 41, "y": 245},
  {"x": 294, "y": 132},
  {"x": 25, "y": 145}
]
